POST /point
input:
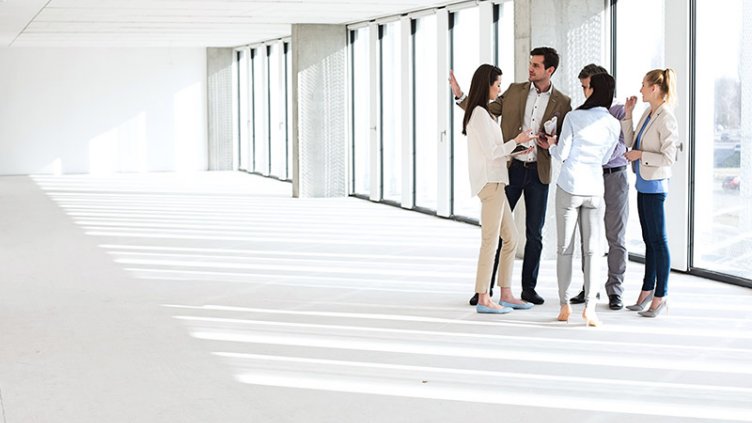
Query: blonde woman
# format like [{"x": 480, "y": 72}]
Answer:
[
  {"x": 653, "y": 152},
  {"x": 487, "y": 156}
]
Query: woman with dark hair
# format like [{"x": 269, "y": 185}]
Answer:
[
  {"x": 588, "y": 138},
  {"x": 487, "y": 156},
  {"x": 653, "y": 152}
]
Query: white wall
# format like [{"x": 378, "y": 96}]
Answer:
[{"x": 102, "y": 110}]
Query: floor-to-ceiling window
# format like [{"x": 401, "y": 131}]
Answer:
[
  {"x": 465, "y": 59},
  {"x": 277, "y": 124},
  {"x": 416, "y": 150},
  {"x": 723, "y": 138},
  {"x": 638, "y": 51},
  {"x": 264, "y": 109},
  {"x": 260, "y": 110},
  {"x": 504, "y": 30},
  {"x": 361, "y": 109},
  {"x": 288, "y": 110},
  {"x": 426, "y": 132},
  {"x": 391, "y": 111},
  {"x": 244, "y": 111}
]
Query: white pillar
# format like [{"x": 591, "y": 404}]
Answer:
[{"x": 319, "y": 82}]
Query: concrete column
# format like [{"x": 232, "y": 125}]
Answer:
[
  {"x": 219, "y": 108},
  {"x": 319, "y": 110},
  {"x": 522, "y": 46}
]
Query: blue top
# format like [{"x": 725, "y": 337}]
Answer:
[{"x": 658, "y": 186}]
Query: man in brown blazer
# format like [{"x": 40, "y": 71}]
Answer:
[{"x": 527, "y": 106}]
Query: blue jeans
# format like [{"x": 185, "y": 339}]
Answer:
[
  {"x": 523, "y": 179},
  {"x": 657, "y": 256}
]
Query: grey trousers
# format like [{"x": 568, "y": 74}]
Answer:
[
  {"x": 616, "y": 197},
  {"x": 573, "y": 211}
]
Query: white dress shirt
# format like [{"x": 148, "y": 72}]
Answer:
[
  {"x": 487, "y": 153},
  {"x": 535, "y": 106},
  {"x": 588, "y": 139}
]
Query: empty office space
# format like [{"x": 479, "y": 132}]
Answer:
[{"x": 261, "y": 211}]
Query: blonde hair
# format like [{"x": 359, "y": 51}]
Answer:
[{"x": 665, "y": 79}]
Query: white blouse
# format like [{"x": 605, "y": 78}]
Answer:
[
  {"x": 587, "y": 142},
  {"x": 487, "y": 153}
]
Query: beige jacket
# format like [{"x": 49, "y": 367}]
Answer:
[
  {"x": 511, "y": 107},
  {"x": 658, "y": 142}
]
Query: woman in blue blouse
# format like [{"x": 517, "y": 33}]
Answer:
[{"x": 653, "y": 152}]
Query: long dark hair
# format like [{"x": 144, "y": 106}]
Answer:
[
  {"x": 483, "y": 78},
  {"x": 603, "y": 86}
]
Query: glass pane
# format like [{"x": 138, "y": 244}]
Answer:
[
  {"x": 260, "y": 138},
  {"x": 637, "y": 53},
  {"x": 276, "y": 111},
  {"x": 465, "y": 59},
  {"x": 426, "y": 122},
  {"x": 244, "y": 111},
  {"x": 391, "y": 111},
  {"x": 505, "y": 43},
  {"x": 361, "y": 110},
  {"x": 722, "y": 212},
  {"x": 288, "y": 99}
]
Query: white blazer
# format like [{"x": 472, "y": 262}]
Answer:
[
  {"x": 658, "y": 142},
  {"x": 487, "y": 153}
]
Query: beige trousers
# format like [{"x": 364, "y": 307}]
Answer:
[{"x": 496, "y": 220}]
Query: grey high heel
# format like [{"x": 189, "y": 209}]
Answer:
[
  {"x": 641, "y": 305},
  {"x": 655, "y": 312}
]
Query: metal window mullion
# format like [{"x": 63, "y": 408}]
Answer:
[
  {"x": 676, "y": 38},
  {"x": 443, "y": 104},
  {"x": 374, "y": 159},
  {"x": 691, "y": 139}
]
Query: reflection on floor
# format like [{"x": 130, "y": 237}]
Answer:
[{"x": 215, "y": 297}]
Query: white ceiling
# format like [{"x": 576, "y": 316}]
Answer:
[{"x": 178, "y": 23}]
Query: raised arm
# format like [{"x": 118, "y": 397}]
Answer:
[{"x": 627, "y": 127}]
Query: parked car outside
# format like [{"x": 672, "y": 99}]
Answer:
[{"x": 731, "y": 183}]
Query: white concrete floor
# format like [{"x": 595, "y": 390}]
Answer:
[{"x": 215, "y": 297}]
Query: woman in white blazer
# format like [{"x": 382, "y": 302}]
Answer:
[
  {"x": 653, "y": 152},
  {"x": 487, "y": 156},
  {"x": 588, "y": 138}
]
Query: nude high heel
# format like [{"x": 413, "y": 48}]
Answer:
[
  {"x": 591, "y": 320},
  {"x": 566, "y": 310}
]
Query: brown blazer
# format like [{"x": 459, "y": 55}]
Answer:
[{"x": 511, "y": 107}]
